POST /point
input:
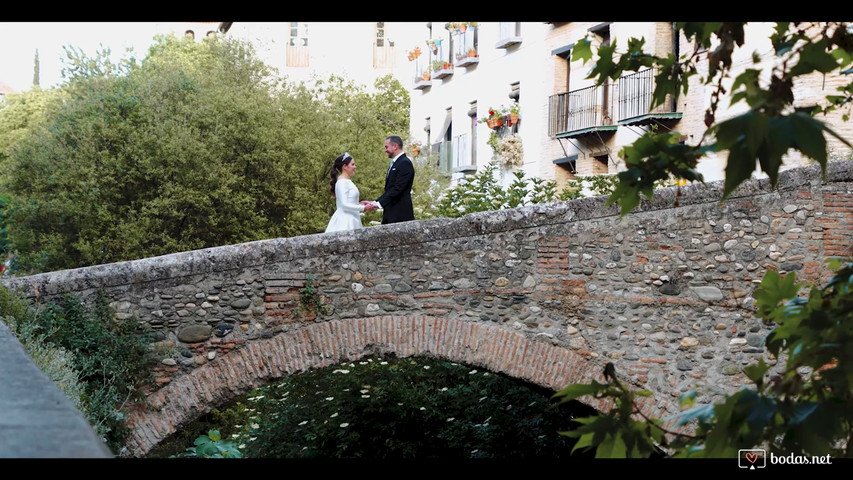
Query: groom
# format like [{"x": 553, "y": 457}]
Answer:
[{"x": 396, "y": 201}]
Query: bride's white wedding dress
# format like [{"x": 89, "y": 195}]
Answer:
[{"x": 347, "y": 216}]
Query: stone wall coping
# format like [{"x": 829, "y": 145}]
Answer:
[{"x": 263, "y": 252}]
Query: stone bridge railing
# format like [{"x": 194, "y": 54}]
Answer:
[{"x": 547, "y": 294}]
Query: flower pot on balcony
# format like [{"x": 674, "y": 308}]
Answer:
[
  {"x": 513, "y": 118},
  {"x": 472, "y": 52},
  {"x": 426, "y": 75}
]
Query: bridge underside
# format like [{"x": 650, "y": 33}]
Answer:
[{"x": 318, "y": 345}]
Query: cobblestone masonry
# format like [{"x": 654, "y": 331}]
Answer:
[{"x": 545, "y": 293}]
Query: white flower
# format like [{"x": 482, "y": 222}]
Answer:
[
  {"x": 234, "y": 435},
  {"x": 362, "y": 363},
  {"x": 423, "y": 408},
  {"x": 344, "y": 425},
  {"x": 485, "y": 374},
  {"x": 383, "y": 363},
  {"x": 400, "y": 404},
  {"x": 365, "y": 396},
  {"x": 364, "y": 390},
  {"x": 242, "y": 445},
  {"x": 329, "y": 399},
  {"x": 334, "y": 415},
  {"x": 451, "y": 419},
  {"x": 426, "y": 367},
  {"x": 256, "y": 426},
  {"x": 472, "y": 372},
  {"x": 303, "y": 422},
  {"x": 253, "y": 439},
  {"x": 510, "y": 151},
  {"x": 482, "y": 398},
  {"x": 442, "y": 389},
  {"x": 340, "y": 371}
]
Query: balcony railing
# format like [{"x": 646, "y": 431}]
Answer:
[
  {"x": 441, "y": 65},
  {"x": 454, "y": 155},
  {"x": 634, "y": 97},
  {"x": 445, "y": 157},
  {"x": 580, "y": 110},
  {"x": 465, "y": 48},
  {"x": 423, "y": 76},
  {"x": 462, "y": 161}
]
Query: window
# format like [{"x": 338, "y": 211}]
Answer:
[
  {"x": 383, "y": 47},
  {"x": 467, "y": 146},
  {"x": 297, "y": 45},
  {"x": 562, "y": 68},
  {"x": 600, "y": 165},
  {"x": 509, "y": 34}
]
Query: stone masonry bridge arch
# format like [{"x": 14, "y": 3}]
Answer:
[{"x": 546, "y": 294}]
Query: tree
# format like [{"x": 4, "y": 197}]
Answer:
[
  {"x": 200, "y": 144},
  {"x": 806, "y": 409}
]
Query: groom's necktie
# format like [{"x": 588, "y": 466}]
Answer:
[{"x": 389, "y": 168}]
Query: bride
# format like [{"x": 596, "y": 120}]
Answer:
[{"x": 347, "y": 216}]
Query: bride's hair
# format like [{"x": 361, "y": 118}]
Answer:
[{"x": 342, "y": 160}]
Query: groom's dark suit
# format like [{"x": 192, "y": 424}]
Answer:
[{"x": 396, "y": 201}]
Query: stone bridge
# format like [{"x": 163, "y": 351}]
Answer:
[{"x": 546, "y": 294}]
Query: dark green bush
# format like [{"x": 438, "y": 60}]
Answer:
[
  {"x": 394, "y": 408},
  {"x": 109, "y": 357}
]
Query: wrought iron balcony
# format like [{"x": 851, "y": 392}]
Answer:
[
  {"x": 581, "y": 112},
  {"x": 634, "y": 96}
]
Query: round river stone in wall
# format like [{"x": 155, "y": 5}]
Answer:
[{"x": 195, "y": 333}]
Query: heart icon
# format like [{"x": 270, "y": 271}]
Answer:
[{"x": 752, "y": 457}]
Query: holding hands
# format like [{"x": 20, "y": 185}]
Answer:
[{"x": 368, "y": 205}]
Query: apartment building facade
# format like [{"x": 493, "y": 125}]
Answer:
[
  {"x": 305, "y": 51},
  {"x": 568, "y": 126}
]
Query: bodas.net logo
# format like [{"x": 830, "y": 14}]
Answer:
[{"x": 751, "y": 458}]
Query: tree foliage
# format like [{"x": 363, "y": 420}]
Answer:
[
  {"x": 197, "y": 145},
  {"x": 771, "y": 127}
]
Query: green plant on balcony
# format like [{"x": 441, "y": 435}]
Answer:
[
  {"x": 493, "y": 140},
  {"x": 438, "y": 65},
  {"x": 495, "y": 117},
  {"x": 513, "y": 110}
]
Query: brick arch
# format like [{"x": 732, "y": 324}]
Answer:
[{"x": 329, "y": 343}]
